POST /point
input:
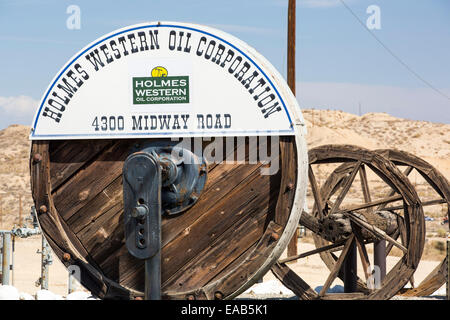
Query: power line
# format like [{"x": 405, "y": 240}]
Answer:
[{"x": 393, "y": 54}]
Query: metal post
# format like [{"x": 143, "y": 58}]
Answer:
[
  {"x": 448, "y": 266},
  {"x": 46, "y": 260},
  {"x": 13, "y": 249},
  {"x": 1, "y": 255},
  {"x": 6, "y": 258},
  {"x": 153, "y": 277},
  {"x": 350, "y": 269},
  {"x": 379, "y": 257}
]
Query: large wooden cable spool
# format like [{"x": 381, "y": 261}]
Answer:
[
  {"x": 336, "y": 225},
  {"x": 239, "y": 226}
]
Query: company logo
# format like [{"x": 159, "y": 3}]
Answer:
[
  {"x": 160, "y": 88},
  {"x": 159, "y": 72}
]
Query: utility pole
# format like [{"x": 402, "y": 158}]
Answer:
[{"x": 292, "y": 246}]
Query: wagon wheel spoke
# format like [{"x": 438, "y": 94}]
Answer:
[
  {"x": 337, "y": 246},
  {"x": 362, "y": 250},
  {"x": 316, "y": 192},
  {"x": 407, "y": 172},
  {"x": 391, "y": 245},
  {"x": 347, "y": 183},
  {"x": 337, "y": 266},
  {"x": 372, "y": 204},
  {"x": 424, "y": 204},
  {"x": 365, "y": 184}
]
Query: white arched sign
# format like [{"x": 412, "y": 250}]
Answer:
[{"x": 166, "y": 79}]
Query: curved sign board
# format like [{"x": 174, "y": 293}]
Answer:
[{"x": 166, "y": 79}]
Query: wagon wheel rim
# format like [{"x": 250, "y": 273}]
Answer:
[
  {"x": 438, "y": 182},
  {"x": 394, "y": 280}
]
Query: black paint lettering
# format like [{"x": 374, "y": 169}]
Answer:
[
  {"x": 230, "y": 55},
  {"x": 108, "y": 57},
  {"x": 153, "y": 123},
  {"x": 51, "y": 114},
  {"x": 163, "y": 122},
  {"x": 261, "y": 82},
  {"x": 134, "y": 48},
  {"x": 187, "y": 47},
  {"x": 176, "y": 125},
  {"x": 137, "y": 124},
  {"x": 80, "y": 70},
  {"x": 154, "y": 39},
  {"x": 181, "y": 33},
  {"x": 202, "y": 39},
  {"x": 238, "y": 59},
  {"x": 219, "y": 53},
  {"x": 239, "y": 75},
  {"x": 212, "y": 45},
  {"x": 67, "y": 88},
  {"x": 227, "y": 121},
  {"x": 116, "y": 51},
  {"x": 97, "y": 61},
  {"x": 200, "y": 122},
  {"x": 246, "y": 82},
  {"x": 185, "y": 118},
  {"x": 272, "y": 109},
  {"x": 122, "y": 41},
  {"x": 143, "y": 40},
  {"x": 172, "y": 39}
]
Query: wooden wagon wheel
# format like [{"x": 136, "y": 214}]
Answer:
[
  {"x": 437, "y": 181},
  {"x": 338, "y": 229}
]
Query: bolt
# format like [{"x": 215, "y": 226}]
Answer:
[
  {"x": 218, "y": 295},
  {"x": 290, "y": 186},
  {"x": 190, "y": 297},
  {"x": 167, "y": 211},
  {"x": 274, "y": 236},
  {"x": 43, "y": 209},
  {"x": 37, "y": 157},
  {"x": 66, "y": 257}
]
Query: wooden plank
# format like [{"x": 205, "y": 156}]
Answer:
[
  {"x": 235, "y": 278},
  {"x": 72, "y": 156},
  {"x": 250, "y": 197},
  {"x": 222, "y": 252},
  {"x": 92, "y": 180},
  {"x": 88, "y": 215}
]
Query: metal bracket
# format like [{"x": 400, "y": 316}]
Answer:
[{"x": 159, "y": 178}]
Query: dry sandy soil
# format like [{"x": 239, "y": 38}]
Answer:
[{"x": 430, "y": 141}]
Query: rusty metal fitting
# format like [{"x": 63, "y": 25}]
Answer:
[{"x": 37, "y": 157}]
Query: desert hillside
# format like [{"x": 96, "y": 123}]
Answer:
[{"x": 430, "y": 141}]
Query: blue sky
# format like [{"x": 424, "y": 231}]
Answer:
[{"x": 339, "y": 64}]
